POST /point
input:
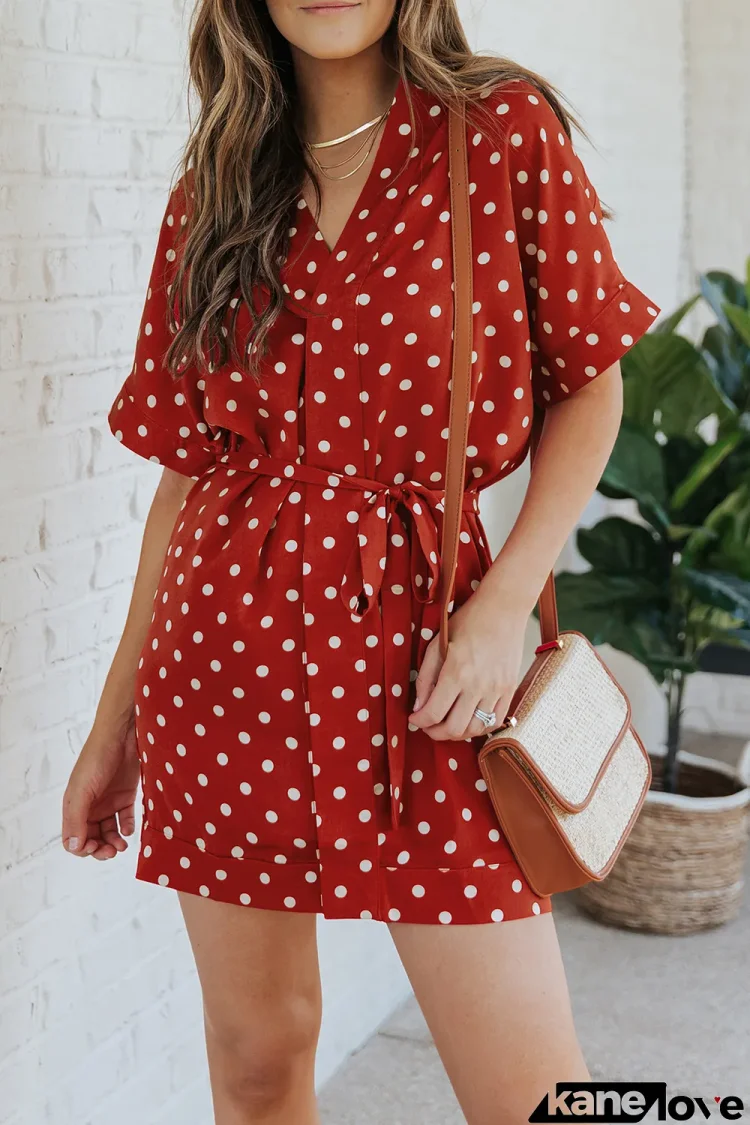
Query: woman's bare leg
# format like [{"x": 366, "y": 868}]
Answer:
[
  {"x": 496, "y": 1001},
  {"x": 262, "y": 1005}
]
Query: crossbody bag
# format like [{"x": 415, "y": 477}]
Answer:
[{"x": 566, "y": 773}]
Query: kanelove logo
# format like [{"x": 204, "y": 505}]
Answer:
[{"x": 610, "y": 1102}]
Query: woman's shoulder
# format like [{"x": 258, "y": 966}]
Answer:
[
  {"x": 511, "y": 104},
  {"x": 519, "y": 103},
  {"x": 520, "y": 124}
]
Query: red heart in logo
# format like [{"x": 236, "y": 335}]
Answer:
[{"x": 717, "y": 1100}]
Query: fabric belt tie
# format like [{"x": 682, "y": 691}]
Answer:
[{"x": 394, "y": 558}]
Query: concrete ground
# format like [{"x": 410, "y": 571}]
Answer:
[{"x": 647, "y": 1007}]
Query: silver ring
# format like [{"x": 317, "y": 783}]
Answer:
[{"x": 489, "y": 718}]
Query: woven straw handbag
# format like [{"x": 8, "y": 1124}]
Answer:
[{"x": 566, "y": 773}]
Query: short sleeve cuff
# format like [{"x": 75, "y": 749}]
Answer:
[
  {"x": 140, "y": 433},
  {"x": 624, "y": 318}
]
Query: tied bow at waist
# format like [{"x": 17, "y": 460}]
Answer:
[{"x": 395, "y": 551}]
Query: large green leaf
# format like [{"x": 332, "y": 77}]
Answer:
[
  {"x": 635, "y": 471},
  {"x": 729, "y": 523},
  {"x": 618, "y": 546},
  {"x": 680, "y": 456},
  {"x": 720, "y": 289},
  {"x": 694, "y": 550},
  {"x": 726, "y": 346},
  {"x": 708, "y": 625},
  {"x": 668, "y": 386},
  {"x": 627, "y": 614},
  {"x": 720, "y": 590},
  {"x": 648, "y": 644},
  {"x": 672, "y": 323},
  {"x": 727, "y": 359},
  {"x": 706, "y": 465},
  {"x": 740, "y": 322},
  {"x": 594, "y": 590}
]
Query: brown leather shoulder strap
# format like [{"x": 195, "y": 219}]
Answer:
[
  {"x": 455, "y": 472},
  {"x": 463, "y": 301}
]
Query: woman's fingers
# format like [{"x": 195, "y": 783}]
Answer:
[
  {"x": 76, "y": 804},
  {"x": 92, "y": 838},
  {"x": 428, "y": 676},
  {"x": 457, "y": 720},
  {"x": 110, "y": 834},
  {"x": 439, "y": 701},
  {"x": 461, "y": 723},
  {"x": 92, "y": 842},
  {"x": 503, "y": 705},
  {"x": 499, "y": 708},
  {"x": 447, "y": 693},
  {"x": 126, "y": 818},
  {"x": 476, "y": 726}
]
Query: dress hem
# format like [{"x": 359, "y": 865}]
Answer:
[{"x": 461, "y": 896}]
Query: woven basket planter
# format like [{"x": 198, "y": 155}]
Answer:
[{"x": 681, "y": 869}]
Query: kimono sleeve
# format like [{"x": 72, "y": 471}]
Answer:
[
  {"x": 584, "y": 314},
  {"x": 155, "y": 415}
]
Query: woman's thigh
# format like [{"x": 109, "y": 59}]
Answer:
[{"x": 496, "y": 1001}]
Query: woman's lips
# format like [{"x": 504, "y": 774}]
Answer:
[{"x": 327, "y": 9}]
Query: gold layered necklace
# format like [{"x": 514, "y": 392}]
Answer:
[{"x": 370, "y": 129}]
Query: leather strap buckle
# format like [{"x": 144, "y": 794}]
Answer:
[{"x": 548, "y": 645}]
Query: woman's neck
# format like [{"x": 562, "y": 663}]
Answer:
[{"x": 337, "y": 95}]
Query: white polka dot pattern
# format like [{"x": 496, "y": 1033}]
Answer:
[
  {"x": 583, "y": 313},
  {"x": 299, "y": 589}
]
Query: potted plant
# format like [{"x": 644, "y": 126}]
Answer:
[{"x": 667, "y": 579}]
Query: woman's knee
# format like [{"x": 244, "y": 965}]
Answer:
[{"x": 261, "y": 1060}]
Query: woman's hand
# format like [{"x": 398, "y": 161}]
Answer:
[
  {"x": 481, "y": 669},
  {"x": 99, "y": 802}
]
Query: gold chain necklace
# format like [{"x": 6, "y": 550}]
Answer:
[
  {"x": 369, "y": 141},
  {"x": 347, "y": 159},
  {"x": 348, "y": 136},
  {"x": 354, "y": 170}
]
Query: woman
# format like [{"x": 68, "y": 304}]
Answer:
[{"x": 292, "y": 377}]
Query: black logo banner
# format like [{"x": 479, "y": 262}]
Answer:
[{"x": 611, "y": 1102}]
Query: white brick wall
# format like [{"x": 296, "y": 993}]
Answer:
[
  {"x": 99, "y": 1012},
  {"x": 100, "y": 1015},
  {"x": 99, "y": 1009}
]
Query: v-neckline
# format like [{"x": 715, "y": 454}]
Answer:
[{"x": 374, "y": 174}]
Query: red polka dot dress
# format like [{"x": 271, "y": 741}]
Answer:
[{"x": 300, "y": 589}]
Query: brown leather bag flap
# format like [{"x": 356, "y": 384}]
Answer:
[{"x": 566, "y": 719}]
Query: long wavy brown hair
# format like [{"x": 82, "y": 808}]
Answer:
[{"x": 245, "y": 160}]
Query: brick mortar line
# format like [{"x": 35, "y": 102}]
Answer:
[
  {"x": 64, "y": 303},
  {"x": 98, "y": 62},
  {"x": 18, "y": 116},
  {"x": 78, "y": 241},
  {"x": 93, "y": 182}
]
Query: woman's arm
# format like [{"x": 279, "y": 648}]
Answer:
[
  {"x": 103, "y": 784},
  {"x": 116, "y": 701},
  {"x": 487, "y": 632},
  {"x": 577, "y": 440}
]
